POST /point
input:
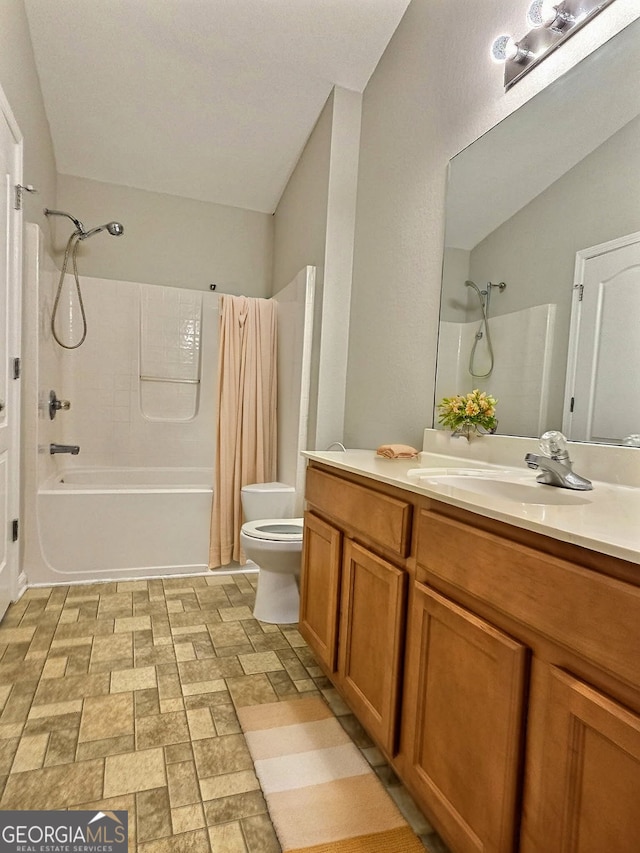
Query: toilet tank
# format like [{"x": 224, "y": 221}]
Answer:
[{"x": 267, "y": 500}]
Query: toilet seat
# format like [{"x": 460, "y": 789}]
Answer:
[{"x": 274, "y": 529}]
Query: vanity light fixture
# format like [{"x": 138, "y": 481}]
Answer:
[{"x": 552, "y": 22}]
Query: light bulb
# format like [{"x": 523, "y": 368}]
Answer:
[
  {"x": 542, "y": 13},
  {"x": 506, "y": 49}
]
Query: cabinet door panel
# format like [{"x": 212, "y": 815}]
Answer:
[
  {"x": 371, "y": 633},
  {"x": 465, "y": 722},
  {"x": 589, "y": 791},
  {"x": 320, "y": 589}
]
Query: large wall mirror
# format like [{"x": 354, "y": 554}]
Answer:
[{"x": 541, "y": 276}]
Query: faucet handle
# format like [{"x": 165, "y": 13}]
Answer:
[{"x": 554, "y": 445}]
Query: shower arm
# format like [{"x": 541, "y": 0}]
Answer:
[{"x": 79, "y": 226}]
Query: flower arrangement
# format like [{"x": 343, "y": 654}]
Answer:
[{"x": 468, "y": 413}]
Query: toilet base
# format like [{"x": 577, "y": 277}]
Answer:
[{"x": 277, "y": 598}]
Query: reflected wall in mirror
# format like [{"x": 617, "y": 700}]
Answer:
[{"x": 527, "y": 203}]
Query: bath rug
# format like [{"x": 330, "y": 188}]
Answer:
[{"x": 322, "y": 794}]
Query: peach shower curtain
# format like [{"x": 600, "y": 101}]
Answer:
[{"x": 246, "y": 435}]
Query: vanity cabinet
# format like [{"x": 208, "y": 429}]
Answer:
[
  {"x": 464, "y": 721},
  {"x": 551, "y": 703},
  {"x": 497, "y": 668},
  {"x": 353, "y": 594}
]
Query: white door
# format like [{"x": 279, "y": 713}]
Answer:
[
  {"x": 603, "y": 379},
  {"x": 10, "y": 266}
]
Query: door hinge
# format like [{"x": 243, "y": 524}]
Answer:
[
  {"x": 15, "y": 525},
  {"x": 580, "y": 289},
  {"x": 573, "y": 400},
  {"x": 17, "y": 368},
  {"x": 19, "y": 189}
]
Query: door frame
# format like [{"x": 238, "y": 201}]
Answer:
[
  {"x": 582, "y": 256},
  {"x": 17, "y": 581}
]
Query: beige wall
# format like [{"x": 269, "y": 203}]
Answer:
[
  {"x": 167, "y": 239},
  {"x": 19, "y": 80},
  {"x": 314, "y": 225},
  {"x": 434, "y": 91}
]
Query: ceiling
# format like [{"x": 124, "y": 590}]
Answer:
[{"x": 207, "y": 99}]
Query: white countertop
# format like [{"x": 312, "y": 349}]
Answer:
[{"x": 606, "y": 519}]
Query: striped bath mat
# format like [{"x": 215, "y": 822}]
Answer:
[{"x": 322, "y": 795}]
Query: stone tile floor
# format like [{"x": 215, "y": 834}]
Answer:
[{"x": 123, "y": 696}]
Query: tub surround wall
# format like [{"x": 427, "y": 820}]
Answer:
[
  {"x": 119, "y": 419},
  {"x": 522, "y": 339}
]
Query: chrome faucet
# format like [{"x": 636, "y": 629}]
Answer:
[
  {"x": 73, "y": 449},
  {"x": 555, "y": 464}
]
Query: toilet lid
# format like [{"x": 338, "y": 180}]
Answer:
[{"x": 275, "y": 529}]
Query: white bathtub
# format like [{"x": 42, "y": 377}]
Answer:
[{"x": 114, "y": 523}]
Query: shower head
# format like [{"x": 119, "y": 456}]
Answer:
[{"x": 114, "y": 228}]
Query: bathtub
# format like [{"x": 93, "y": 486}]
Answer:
[{"x": 115, "y": 523}]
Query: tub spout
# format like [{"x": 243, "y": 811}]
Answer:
[{"x": 73, "y": 449}]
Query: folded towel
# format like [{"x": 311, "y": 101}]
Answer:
[{"x": 396, "y": 451}]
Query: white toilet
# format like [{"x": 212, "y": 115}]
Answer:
[{"x": 272, "y": 539}]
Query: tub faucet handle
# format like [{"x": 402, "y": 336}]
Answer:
[
  {"x": 55, "y": 405},
  {"x": 73, "y": 449}
]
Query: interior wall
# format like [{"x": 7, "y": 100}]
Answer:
[
  {"x": 167, "y": 239},
  {"x": 424, "y": 103},
  {"x": 19, "y": 80},
  {"x": 314, "y": 225}
]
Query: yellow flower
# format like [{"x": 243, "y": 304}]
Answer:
[{"x": 471, "y": 408}]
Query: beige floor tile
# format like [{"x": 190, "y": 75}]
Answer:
[
  {"x": 176, "y": 752},
  {"x": 225, "y": 720},
  {"x": 259, "y": 835},
  {"x": 169, "y": 705},
  {"x": 8, "y": 748},
  {"x": 185, "y": 651},
  {"x": 11, "y": 730},
  {"x": 147, "y": 702},
  {"x": 125, "y": 624},
  {"x": 228, "y": 784},
  {"x": 208, "y": 670},
  {"x": 260, "y": 662},
  {"x": 227, "y": 837},
  {"x": 54, "y": 667},
  {"x": 124, "y": 680},
  {"x": 54, "y": 787},
  {"x": 187, "y": 842},
  {"x": 62, "y": 748},
  {"x": 183, "y": 786},
  {"x": 200, "y": 724},
  {"x": 161, "y": 730},
  {"x": 153, "y": 815},
  {"x": 30, "y": 753},
  {"x": 17, "y": 635},
  {"x": 5, "y": 690},
  {"x": 134, "y": 771},
  {"x": 251, "y": 690},
  {"x": 103, "y": 748},
  {"x": 116, "y": 647},
  {"x": 234, "y": 807},
  {"x": 106, "y": 717},
  {"x": 187, "y": 818},
  {"x": 227, "y": 634},
  {"x": 221, "y": 755},
  {"x": 126, "y": 803},
  {"x": 235, "y": 614},
  {"x": 71, "y": 687},
  {"x": 214, "y": 686},
  {"x": 131, "y": 586},
  {"x": 54, "y": 709}
]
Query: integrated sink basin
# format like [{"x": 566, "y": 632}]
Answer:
[{"x": 505, "y": 484}]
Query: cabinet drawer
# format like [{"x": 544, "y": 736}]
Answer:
[
  {"x": 380, "y": 518},
  {"x": 589, "y": 613}
]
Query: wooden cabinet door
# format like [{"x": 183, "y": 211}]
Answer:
[
  {"x": 586, "y": 784},
  {"x": 320, "y": 589},
  {"x": 371, "y": 641},
  {"x": 463, "y": 723}
]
